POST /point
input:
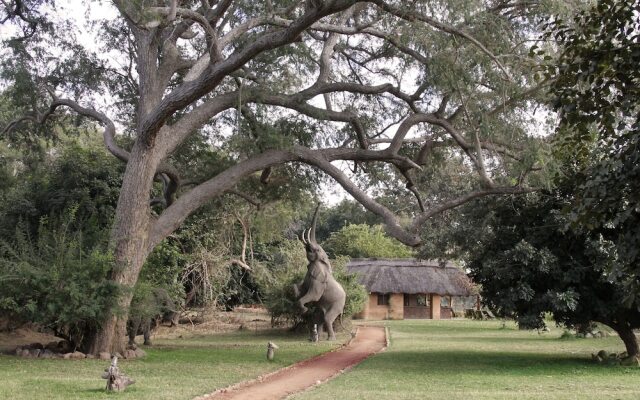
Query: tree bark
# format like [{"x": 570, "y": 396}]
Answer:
[
  {"x": 129, "y": 239},
  {"x": 629, "y": 338}
]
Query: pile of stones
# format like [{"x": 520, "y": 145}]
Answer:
[
  {"x": 603, "y": 357},
  {"x": 63, "y": 349}
]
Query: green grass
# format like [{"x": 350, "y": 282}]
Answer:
[
  {"x": 459, "y": 359},
  {"x": 173, "y": 369}
]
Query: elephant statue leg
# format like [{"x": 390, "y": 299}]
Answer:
[
  {"x": 307, "y": 298},
  {"x": 329, "y": 316},
  {"x": 146, "y": 332},
  {"x": 133, "y": 325}
]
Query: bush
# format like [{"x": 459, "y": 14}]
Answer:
[{"x": 55, "y": 282}]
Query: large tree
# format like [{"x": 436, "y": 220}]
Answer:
[
  {"x": 597, "y": 89},
  {"x": 282, "y": 88},
  {"x": 528, "y": 263}
]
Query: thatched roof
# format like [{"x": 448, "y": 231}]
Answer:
[{"x": 411, "y": 276}]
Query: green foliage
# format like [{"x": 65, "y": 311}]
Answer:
[
  {"x": 597, "y": 96},
  {"x": 56, "y": 280},
  {"x": 81, "y": 176},
  {"x": 342, "y": 214},
  {"x": 528, "y": 264},
  {"x": 364, "y": 241},
  {"x": 279, "y": 296}
]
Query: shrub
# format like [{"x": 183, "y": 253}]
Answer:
[{"x": 55, "y": 282}]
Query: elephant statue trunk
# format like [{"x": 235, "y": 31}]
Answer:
[{"x": 319, "y": 285}]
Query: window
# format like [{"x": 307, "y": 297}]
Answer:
[
  {"x": 407, "y": 300},
  {"x": 445, "y": 301},
  {"x": 422, "y": 300},
  {"x": 383, "y": 299}
]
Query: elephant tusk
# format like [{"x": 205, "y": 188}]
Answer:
[
  {"x": 308, "y": 236},
  {"x": 312, "y": 230}
]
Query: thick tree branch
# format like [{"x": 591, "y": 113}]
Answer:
[{"x": 190, "y": 91}]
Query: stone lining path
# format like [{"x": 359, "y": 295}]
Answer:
[{"x": 307, "y": 373}]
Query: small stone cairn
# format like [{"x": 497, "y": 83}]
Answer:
[
  {"x": 271, "y": 350},
  {"x": 117, "y": 381}
]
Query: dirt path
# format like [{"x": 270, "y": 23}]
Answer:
[{"x": 368, "y": 340}]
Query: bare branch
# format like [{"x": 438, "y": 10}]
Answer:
[{"x": 253, "y": 201}]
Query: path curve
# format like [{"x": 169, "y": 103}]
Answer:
[{"x": 307, "y": 373}]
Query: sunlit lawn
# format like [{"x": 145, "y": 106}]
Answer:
[
  {"x": 173, "y": 369},
  {"x": 460, "y": 359}
]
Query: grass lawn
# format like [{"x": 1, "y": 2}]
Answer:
[
  {"x": 173, "y": 369},
  {"x": 461, "y": 359}
]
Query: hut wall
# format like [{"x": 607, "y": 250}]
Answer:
[
  {"x": 375, "y": 311},
  {"x": 435, "y": 306},
  {"x": 396, "y": 306}
]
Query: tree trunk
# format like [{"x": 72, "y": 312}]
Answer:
[
  {"x": 129, "y": 239},
  {"x": 629, "y": 338}
]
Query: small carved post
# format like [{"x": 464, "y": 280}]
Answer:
[
  {"x": 116, "y": 380},
  {"x": 314, "y": 333},
  {"x": 271, "y": 350}
]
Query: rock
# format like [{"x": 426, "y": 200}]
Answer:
[
  {"x": 19, "y": 351},
  {"x": 118, "y": 355},
  {"x": 632, "y": 361},
  {"x": 64, "y": 347},
  {"x": 104, "y": 355},
  {"x": 53, "y": 346},
  {"x": 46, "y": 353},
  {"x": 35, "y": 353},
  {"x": 129, "y": 353},
  {"x": 91, "y": 356},
  {"x": 140, "y": 353},
  {"x": 76, "y": 355},
  {"x": 603, "y": 354},
  {"x": 588, "y": 335}
]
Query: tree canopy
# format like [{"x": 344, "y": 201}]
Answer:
[
  {"x": 597, "y": 92},
  {"x": 280, "y": 95}
]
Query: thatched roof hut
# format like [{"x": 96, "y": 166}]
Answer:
[{"x": 411, "y": 276}]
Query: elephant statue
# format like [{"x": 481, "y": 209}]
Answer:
[
  {"x": 148, "y": 311},
  {"x": 319, "y": 285}
]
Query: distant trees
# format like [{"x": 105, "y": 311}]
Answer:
[{"x": 363, "y": 241}]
